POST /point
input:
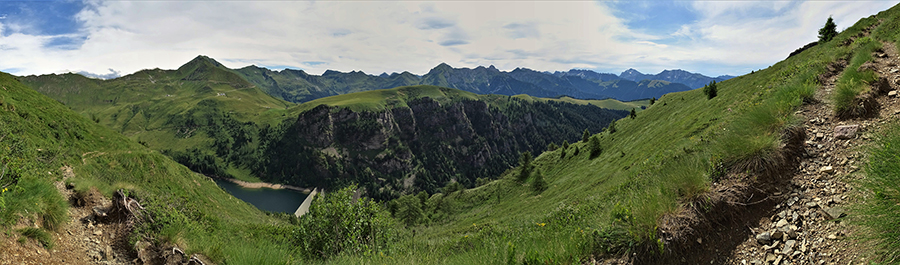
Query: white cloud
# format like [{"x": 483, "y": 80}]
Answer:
[{"x": 375, "y": 37}]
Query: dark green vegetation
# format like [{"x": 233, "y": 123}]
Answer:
[
  {"x": 710, "y": 90},
  {"x": 827, "y": 32}
]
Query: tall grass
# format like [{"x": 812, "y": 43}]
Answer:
[
  {"x": 853, "y": 82},
  {"x": 880, "y": 212}
]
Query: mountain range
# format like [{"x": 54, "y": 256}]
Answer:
[{"x": 298, "y": 86}]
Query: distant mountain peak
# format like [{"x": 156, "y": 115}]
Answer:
[{"x": 203, "y": 59}]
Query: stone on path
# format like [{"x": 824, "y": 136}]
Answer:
[
  {"x": 845, "y": 131},
  {"x": 834, "y": 213}
]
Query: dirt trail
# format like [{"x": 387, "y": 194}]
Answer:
[
  {"x": 82, "y": 240},
  {"x": 806, "y": 225}
]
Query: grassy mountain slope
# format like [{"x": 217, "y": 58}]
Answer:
[
  {"x": 207, "y": 117},
  {"x": 187, "y": 208},
  {"x": 166, "y": 109},
  {"x": 609, "y": 203}
]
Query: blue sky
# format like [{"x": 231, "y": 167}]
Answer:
[{"x": 120, "y": 37}]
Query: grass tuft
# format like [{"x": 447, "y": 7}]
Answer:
[{"x": 38, "y": 234}]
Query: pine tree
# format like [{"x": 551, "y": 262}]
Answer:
[
  {"x": 652, "y": 100},
  {"x": 827, "y": 32},
  {"x": 565, "y": 144},
  {"x": 711, "y": 90},
  {"x": 611, "y": 128},
  {"x": 595, "y": 147},
  {"x": 633, "y": 114},
  {"x": 585, "y": 135},
  {"x": 525, "y": 166}
]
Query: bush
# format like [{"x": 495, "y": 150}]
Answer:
[
  {"x": 827, "y": 32},
  {"x": 711, "y": 90},
  {"x": 409, "y": 210},
  {"x": 452, "y": 187},
  {"x": 552, "y": 147},
  {"x": 611, "y": 128},
  {"x": 595, "y": 146},
  {"x": 335, "y": 224},
  {"x": 652, "y": 100},
  {"x": 525, "y": 166},
  {"x": 633, "y": 114}
]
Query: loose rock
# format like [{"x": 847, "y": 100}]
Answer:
[{"x": 845, "y": 131}]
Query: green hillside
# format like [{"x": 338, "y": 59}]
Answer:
[
  {"x": 616, "y": 193},
  {"x": 661, "y": 162},
  {"x": 377, "y": 100},
  {"x": 188, "y": 210}
]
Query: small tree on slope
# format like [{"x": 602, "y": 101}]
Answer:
[{"x": 827, "y": 32}]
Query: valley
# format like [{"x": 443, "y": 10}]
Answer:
[{"x": 791, "y": 164}]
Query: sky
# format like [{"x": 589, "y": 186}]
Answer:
[{"x": 113, "y": 38}]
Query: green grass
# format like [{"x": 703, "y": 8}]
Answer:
[
  {"x": 638, "y": 105},
  {"x": 668, "y": 155},
  {"x": 377, "y": 100},
  {"x": 853, "y": 82},
  {"x": 38, "y": 234},
  {"x": 187, "y": 208},
  {"x": 880, "y": 212}
]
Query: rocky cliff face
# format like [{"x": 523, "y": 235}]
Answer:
[{"x": 422, "y": 146}]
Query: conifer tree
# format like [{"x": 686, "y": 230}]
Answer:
[
  {"x": 633, "y": 114},
  {"x": 585, "y": 135},
  {"x": 827, "y": 32}
]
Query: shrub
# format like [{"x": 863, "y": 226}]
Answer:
[
  {"x": 595, "y": 147},
  {"x": 452, "y": 187},
  {"x": 711, "y": 90},
  {"x": 827, "y": 32},
  {"x": 652, "y": 100},
  {"x": 525, "y": 166},
  {"x": 632, "y": 114},
  {"x": 409, "y": 210},
  {"x": 335, "y": 224},
  {"x": 552, "y": 147}
]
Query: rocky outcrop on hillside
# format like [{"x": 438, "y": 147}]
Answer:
[{"x": 422, "y": 146}]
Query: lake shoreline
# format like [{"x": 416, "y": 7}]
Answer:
[{"x": 259, "y": 185}]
